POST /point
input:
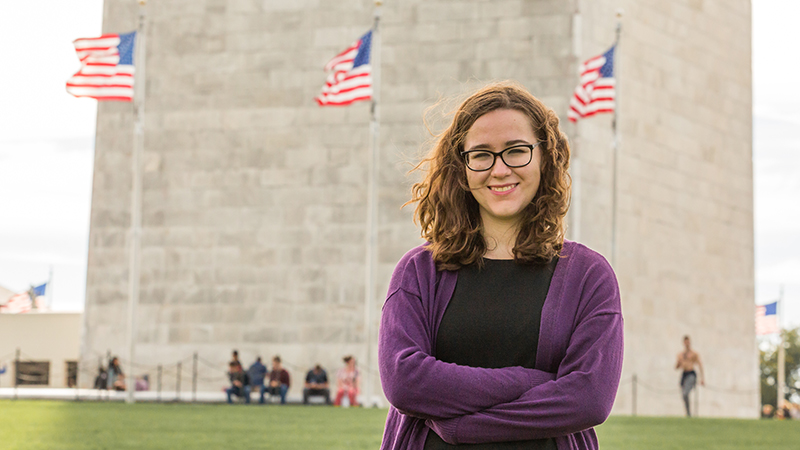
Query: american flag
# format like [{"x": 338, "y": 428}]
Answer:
[
  {"x": 106, "y": 68},
  {"x": 349, "y": 75},
  {"x": 20, "y": 303},
  {"x": 40, "y": 290},
  {"x": 596, "y": 92},
  {"x": 767, "y": 319}
]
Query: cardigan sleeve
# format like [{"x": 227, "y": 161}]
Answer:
[
  {"x": 419, "y": 385},
  {"x": 579, "y": 398}
]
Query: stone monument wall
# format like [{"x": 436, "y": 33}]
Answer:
[{"x": 254, "y": 204}]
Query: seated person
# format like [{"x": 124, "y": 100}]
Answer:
[
  {"x": 235, "y": 357},
  {"x": 257, "y": 372},
  {"x": 317, "y": 384},
  {"x": 278, "y": 380},
  {"x": 240, "y": 384},
  {"x": 348, "y": 382},
  {"x": 143, "y": 383},
  {"x": 100, "y": 382},
  {"x": 116, "y": 378}
]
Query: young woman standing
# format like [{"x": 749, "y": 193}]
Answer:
[{"x": 498, "y": 331}]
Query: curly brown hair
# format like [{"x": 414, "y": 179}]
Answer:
[{"x": 448, "y": 213}]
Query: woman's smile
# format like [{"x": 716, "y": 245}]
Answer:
[{"x": 503, "y": 189}]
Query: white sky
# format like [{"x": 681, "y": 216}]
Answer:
[
  {"x": 776, "y": 153},
  {"x": 47, "y": 150}
]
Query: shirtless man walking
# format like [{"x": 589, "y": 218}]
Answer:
[{"x": 687, "y": 359}]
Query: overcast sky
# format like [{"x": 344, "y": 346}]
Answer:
[
  {"x": 776, "y": 153},
  {"x": 47, "y": 150}
]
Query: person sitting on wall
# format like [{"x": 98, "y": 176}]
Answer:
[
  {"x": 143, "y": 383},
  {"x": 116, "y": 378},
  {"x": 101, "y": 380},
  {"x": 279, "y": 380},
  {"x": 240, "y": 384},
  {"x": 348, "y": 381},
  {"x": 257, "y": 372},
  {"x": 317, "y": 384},
  {"x": 235, "y": 358}
]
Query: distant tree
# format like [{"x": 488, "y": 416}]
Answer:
[{"x": 769, "y": 368}]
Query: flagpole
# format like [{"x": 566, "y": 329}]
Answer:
[
  {"x": 576, "y": 199},
  {"x": 49, "y": 289},
  {"x": 32, "y": 297},
  {"x": 781, "y": 353},
  {"x": 372, "y": 203},
  {"x": 616, "y": 144},
  {"x": 136, "y": 198}
]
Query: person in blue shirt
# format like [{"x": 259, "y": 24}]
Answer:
[
  {"x": 257, "y": 372},
  {"x": 116, "y": 378}
]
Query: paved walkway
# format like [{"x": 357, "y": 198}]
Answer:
[{"x": 144, "y": 396}]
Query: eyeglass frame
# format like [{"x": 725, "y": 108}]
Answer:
[{"x": 500, "y": 154}]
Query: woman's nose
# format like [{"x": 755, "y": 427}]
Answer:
[{"x": 500, "y": 169}]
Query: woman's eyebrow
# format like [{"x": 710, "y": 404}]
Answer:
[
  {"x": 479, "y": 147},
  {"x": 515, "y": 142},
  {"x": 488, "y": 147}
]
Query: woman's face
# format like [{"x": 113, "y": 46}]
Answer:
[{"x": 503, "y": 192}]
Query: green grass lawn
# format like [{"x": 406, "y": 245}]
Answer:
[
  {"x": 668, "y": 433},
  {"x": 31, "y": 424}
]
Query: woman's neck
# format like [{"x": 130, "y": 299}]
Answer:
[{"x": 500, "y": 238}]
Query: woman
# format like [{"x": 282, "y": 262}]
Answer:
[
  {"x": 116, "y": 378},
  {"x": 498, "y": 331},
  {"x": 348, "y": 382}
]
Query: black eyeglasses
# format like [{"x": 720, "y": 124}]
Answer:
[{"x": 515, "y": 156}]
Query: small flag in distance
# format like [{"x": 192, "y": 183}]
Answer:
[
  {"x": 40, "y": 290},
  {"x": 767, "y": 319},
  {"x": 19, "y": 303}
]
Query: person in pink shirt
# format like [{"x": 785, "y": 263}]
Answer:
[{"x": 348, "y": 381}]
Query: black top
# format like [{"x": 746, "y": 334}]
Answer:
[
  {"x": 240, "y": 376},
  {"x": 319, "y": 378},
  {"x": 493, "y": 321}
]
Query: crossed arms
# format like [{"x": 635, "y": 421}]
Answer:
[{"x": 475, "y": 405}]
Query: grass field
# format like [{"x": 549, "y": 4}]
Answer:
[{"x": 28, "y": 424}]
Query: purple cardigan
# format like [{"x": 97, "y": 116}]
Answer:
[{"x": 572, "y": 389}]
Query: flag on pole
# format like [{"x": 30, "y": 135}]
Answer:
[
  {"x": 39, "y": 290},
  {"x": 349, "y": 75},
  {"x": 596, "y": 91},
  {"x": 106, "y": 71},
  {"x": 767, "y": 319}
]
